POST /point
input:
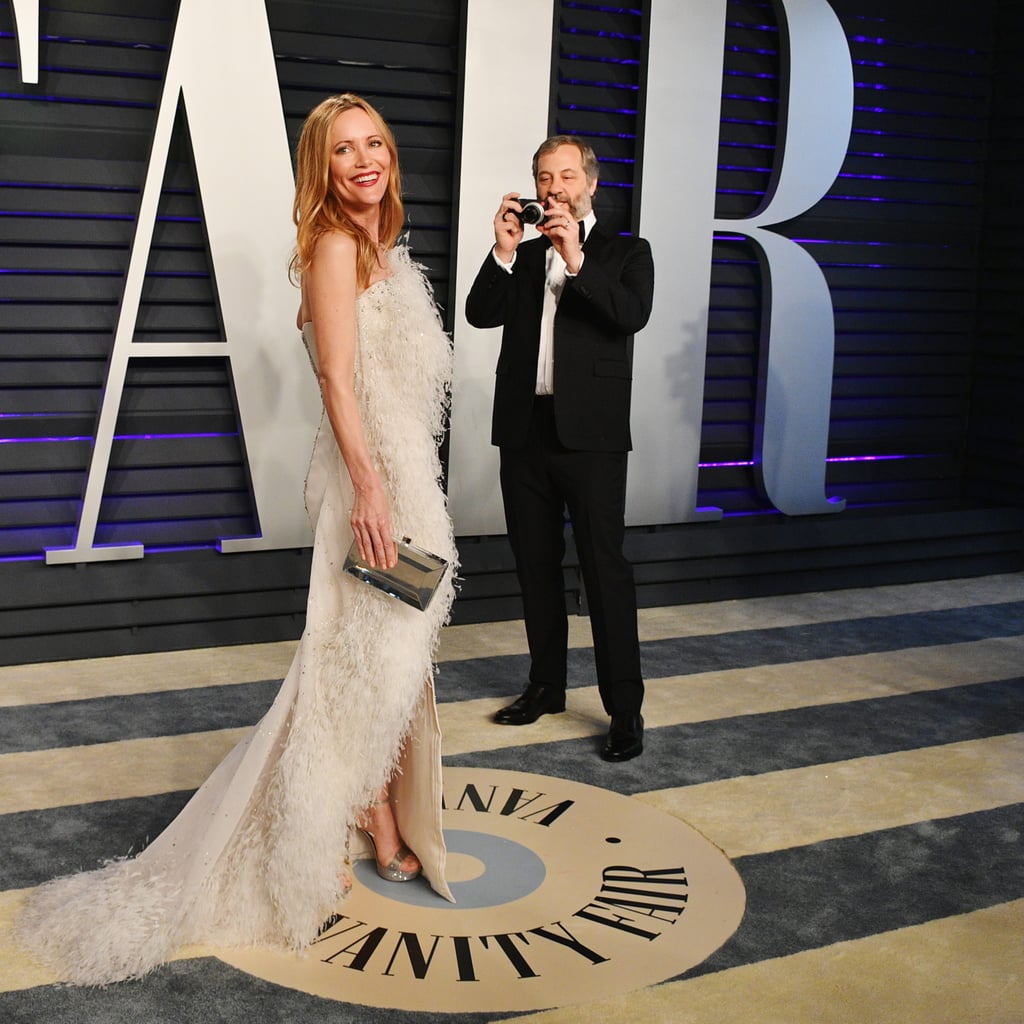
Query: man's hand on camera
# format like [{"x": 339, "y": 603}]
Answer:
[
  {"x": 561, "y": 227},
  {"x": 508, "y": 229}
]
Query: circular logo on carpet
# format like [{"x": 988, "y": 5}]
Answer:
[{"x": 565, "y": 893}]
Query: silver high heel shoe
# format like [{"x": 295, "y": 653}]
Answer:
[{"x": 391, "y": 872}]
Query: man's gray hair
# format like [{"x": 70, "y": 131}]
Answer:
[{"x": 550, "y": 145}]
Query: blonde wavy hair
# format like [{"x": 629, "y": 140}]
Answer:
[{"x": 317, "y": 210}]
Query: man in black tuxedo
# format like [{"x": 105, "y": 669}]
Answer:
[{"x": 569, "y": 303}]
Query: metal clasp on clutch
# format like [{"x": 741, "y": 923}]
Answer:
[{"x": 414, "y": 580}]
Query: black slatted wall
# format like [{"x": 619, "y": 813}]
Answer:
[
  {"x": 918, "y": 240},
  {"x": 995, "y": 444},
  {"x": 898, "y": 235}
]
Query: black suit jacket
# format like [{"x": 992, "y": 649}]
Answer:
[{"x": 599, "y": 311}]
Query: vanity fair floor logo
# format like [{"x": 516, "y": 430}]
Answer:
[{"x": 565, "y": 893}]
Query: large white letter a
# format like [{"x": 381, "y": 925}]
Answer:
[{"x": 221, "y": 65}]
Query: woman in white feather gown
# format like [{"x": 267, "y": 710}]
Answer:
[{"x": 259, "y": 855}]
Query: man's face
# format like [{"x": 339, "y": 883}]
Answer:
[{"x": 560, "y": 176}]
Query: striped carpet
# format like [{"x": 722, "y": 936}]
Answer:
[{"x": 858, "y": 754}]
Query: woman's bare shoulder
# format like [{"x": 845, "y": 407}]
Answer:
[{"x": 335, "y": 245}]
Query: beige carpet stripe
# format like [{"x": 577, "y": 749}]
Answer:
[
  {"x": 174, "y": 670},
  {"x": 778, "y": 810},
  {"x": 38, "y": 779},
  {"x": 34, "y": 780},
  {"x": 143, "y": 673},
  {"x": 496, "y": 638},
  {"x": 964, "y": 969},
  {"x": 19, "y": 970}
]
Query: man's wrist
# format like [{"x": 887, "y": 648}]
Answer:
[
  {"x": 579, "y": 267},
  {"x": 499, "y": 258}
]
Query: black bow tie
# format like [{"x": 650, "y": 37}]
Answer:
[{"x": 583, "y": 232}]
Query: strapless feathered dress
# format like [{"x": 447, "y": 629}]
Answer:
[{"x": 255, "y": 857}]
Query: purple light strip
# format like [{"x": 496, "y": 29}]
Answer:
[
  {"x": 572, "y": 30},
  {"x": 753, "y": 28},
  {"x": 39, "y": 214},
  {"x": 52, "y": 215},
  {"x": 600, "y": 85},
  {"x": 117, "y": 437},
  {"x": 922, "y": 47},
  {"x": 574, "y": 5},
  {"x": 150, "y": 549},
  {"x": 599, "y": 110},
  {"x": 628, "y": 61},
  {"x": 600, "y": 135},
  {"x": 749, "y": 99},
  {"x": 846, "y": 241},
  {"x": 770, "y": 76},
  {"x": 749, "y": 463},
  {"x": 747, "y": 168},
  {"x": 924, "y": 114},
  {"x": 909, "y": 158},
  {"x": 751, "y": 49},
  {"x": 897, "y": 202},
  {"x": 947, "y": 72},
  {"x": 56, "y": 186},
  {"x": 37, "y": 272},
  {"x": 907, "y": 91},
  {"x": 749, "y": 145},
  {"x": 913, "y": 135},
  {"x": 840, "y": 198},
  {"x": 850, "y": 506},
  {"x": 754, "y": 121}
]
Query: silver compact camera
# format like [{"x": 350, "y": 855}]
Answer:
[{"x": 533, "y": 211}]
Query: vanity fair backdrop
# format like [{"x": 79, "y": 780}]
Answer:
[{"x": 825, "y": 396}]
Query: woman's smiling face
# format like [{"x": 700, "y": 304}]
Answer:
[{"x": 360, "y": 160}]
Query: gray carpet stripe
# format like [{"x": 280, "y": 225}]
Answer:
[
  {"x": 694, "y": 752},
  {"x": 39, "y": 845},
  {"x": 690, "y": 655},
  {"x": 832, "y": 640},
  {"x": 875, "y": 882},
  {"x": 136, "y": 716},
  {"x": 204, "y": 991}
]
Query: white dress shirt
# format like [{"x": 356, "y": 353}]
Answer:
[{"x": 554, "y": 283}]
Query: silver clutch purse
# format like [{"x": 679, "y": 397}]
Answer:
[{"x": 414, "y": 580}]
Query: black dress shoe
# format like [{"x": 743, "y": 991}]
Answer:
[
  {"x": 536, "y": 701},
  {"x": 625, "y": 738}
]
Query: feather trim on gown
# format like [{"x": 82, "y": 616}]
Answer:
[{"x": 254, "y": 858}]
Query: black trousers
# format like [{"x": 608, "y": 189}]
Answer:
[{"x": 538, "y": 482}]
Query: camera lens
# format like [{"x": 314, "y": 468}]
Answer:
[{"x": 533, "y": 211}]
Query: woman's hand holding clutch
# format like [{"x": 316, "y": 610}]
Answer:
[{"x": 371, "y": 526}]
